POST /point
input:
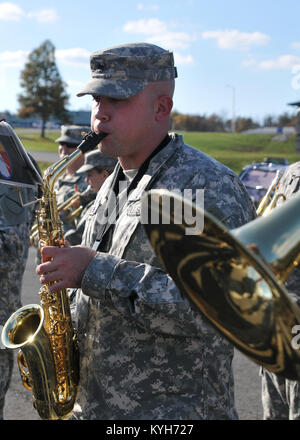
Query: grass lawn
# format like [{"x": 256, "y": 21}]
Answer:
[
  {"x": 238, "y": 150},
  {"x": 32, "y": 140},
  {"x": 233, "y": 150}
]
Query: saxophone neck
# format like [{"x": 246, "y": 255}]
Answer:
[
  {"x": 56, "y": 170},
  {"x": 90, "y": 141}
]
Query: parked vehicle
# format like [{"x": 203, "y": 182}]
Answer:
[{"x": 257, "y": 177}]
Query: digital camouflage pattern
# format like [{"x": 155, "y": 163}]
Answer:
[
  {"x": 74, "y": 236},
  {"x": 280, "y": 397},
  {"x": 14, "y": 253},
  {"x": 94, "y": 159},
  {"x": 6, "y": 369},
  {"x": 123, "y": 71},
  {"x": 64, "y": 188},
  {"x": 145, "y": 353},
  {"x": 14, "y": 245},
  {"x": 72, "y": 134}
]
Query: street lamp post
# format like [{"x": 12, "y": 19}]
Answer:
[
  {"x": 297, "y": 105},
  {"x": 233, "y": 108}
]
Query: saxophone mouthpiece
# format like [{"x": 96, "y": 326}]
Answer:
[{"x": 90, "y": 141}]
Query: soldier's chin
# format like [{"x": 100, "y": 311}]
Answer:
[{"x": 106, "y": 149}]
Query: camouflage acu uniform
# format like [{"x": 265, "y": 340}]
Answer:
[
  {"x": 93, "y": 159},
  {"x": 281, "y": 397},
  {"x": 15, "y": 225},
  {"x": 74, "y": 236},
  {"x": 145, "y": 353},
  {"x": 65, "y": 188}
]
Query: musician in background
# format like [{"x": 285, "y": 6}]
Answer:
[
  {"x": 97, "y": 167},
  {"x": 15, "y": 225},
  {"x": 145, "y": 353},
  {"x": 72, "y": 180},
  {"x": 280, "y": 396}
]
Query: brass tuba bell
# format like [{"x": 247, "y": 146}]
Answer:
[{"x": 235, "y": 277}]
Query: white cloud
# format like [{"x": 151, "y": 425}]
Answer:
[
  {"x": 174, "y": 40},
  {"x": 143, "y": 7},
  {"x": 10, "y": 12},
  {"x": 234, "y": 39},
  {"x": 75, "y": 56},
  {"x": 145, "y": 27},
  {"x": 181, "y": 60},
  {"x": 44, "y": 15},
  {"x": 13, "y": 59},
  {"x": 158, "y": 32},
  {"x": 296, "y": 45},
  {"x": 283, "y": 62}
]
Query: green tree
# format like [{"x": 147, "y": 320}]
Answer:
[{"x": 44, "y": 91}]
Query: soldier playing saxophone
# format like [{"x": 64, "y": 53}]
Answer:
[{"x": 144, "y": 352}]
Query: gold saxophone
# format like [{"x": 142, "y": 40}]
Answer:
[{"x": 49, "y": 358}]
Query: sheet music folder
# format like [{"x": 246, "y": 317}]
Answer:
[{"x": 16, "y": 167}]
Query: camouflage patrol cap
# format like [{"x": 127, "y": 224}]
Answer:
[
  {"x": 72, "y": 134},
  {"x": 123, "y": 71},
  {"x": 96, "y": 159}
]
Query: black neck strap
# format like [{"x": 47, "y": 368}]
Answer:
[
  {"x": 101, "y": 242},
  {"x": 141, "y": 171}
]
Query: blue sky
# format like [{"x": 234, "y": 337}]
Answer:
[{"x": 241, "y": 55}]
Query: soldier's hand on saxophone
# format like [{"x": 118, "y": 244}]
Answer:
[{"x": 65, "y": 266}]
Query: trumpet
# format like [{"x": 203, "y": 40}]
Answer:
[
  {"x": 267, "y": 199},
  {"x": 76, "y": 196},
  {"x": 64, "y": 206},
  {"x": 273, "y": 203}
]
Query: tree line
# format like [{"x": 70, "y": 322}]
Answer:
[
  {"x": 215, "y": 123},
  {"x": 44, "y": 95}
]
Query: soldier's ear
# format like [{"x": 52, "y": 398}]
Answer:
[{"x": 164, "y": 106}]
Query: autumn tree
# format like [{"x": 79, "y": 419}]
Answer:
[
  {"x": 243, "y": 124},
  {"x": 44, "y": 91}
]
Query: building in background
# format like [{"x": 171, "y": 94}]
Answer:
[{"x": 80, "y": 117}]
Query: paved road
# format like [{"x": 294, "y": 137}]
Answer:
[
  {"x": 18, "y": 404},
  {"x": 19, "y": 401},
  {"x": 44, "y": 156}
]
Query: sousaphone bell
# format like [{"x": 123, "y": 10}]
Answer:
[{"x": 235, "y": 277}]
